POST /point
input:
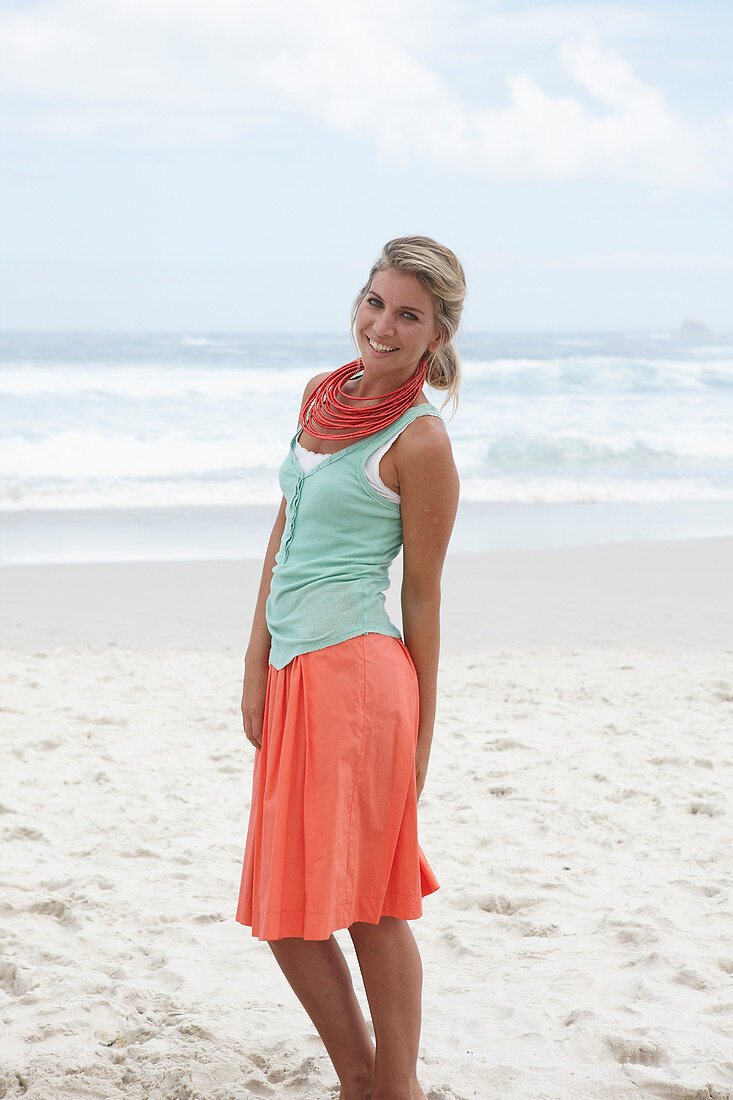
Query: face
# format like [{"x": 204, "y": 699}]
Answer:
[{"x": 395, "y": 324}]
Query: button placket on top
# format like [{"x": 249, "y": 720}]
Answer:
[
  {"x": 302, "y": 475},
  {"x": 293, "y": 514}
]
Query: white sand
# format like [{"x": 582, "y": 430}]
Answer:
[
  {"x": 576, "y": 813},
  {"x": 669, "y": 594}
]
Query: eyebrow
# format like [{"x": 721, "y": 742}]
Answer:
[{"x": 410, "y": 309}]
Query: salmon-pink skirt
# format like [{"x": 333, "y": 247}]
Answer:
[{"x": 332, "y": 834}]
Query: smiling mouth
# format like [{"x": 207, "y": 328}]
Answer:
[{"x": 380, "y": 347}]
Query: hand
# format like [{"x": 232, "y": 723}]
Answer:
[
  {"x": 422, "y": 755},
  {"x": 254, "y": 690}
]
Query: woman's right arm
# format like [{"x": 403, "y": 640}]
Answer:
[{"x": 256, "y": 659}]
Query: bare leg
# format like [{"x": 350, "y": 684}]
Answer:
[
  {"x": 390, "y": 965},
  {"x": 319, "y": 976}
]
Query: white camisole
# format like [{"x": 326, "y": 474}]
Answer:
[{"x": 308, "y": 460}]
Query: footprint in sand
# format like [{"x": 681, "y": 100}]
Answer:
[
  {"x": 25, "y": 832},
  {"x": 504, "y": 906},
  {"x": 53, "y": 907},
  {"x": 671, "y": 1090},
  {"x": 690, "y": 978},
  {"x": 502, "y": 744},
  {"x": 635, "y": 1051},
  {"x": 705, "y": 808},
  {"x": 13, "y": 979}
]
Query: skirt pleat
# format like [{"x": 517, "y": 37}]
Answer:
[{"x": 332, "y": 833}]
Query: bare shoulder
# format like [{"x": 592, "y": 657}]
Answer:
[
  {"x": 429, "y": 491},
  {"x": 426, "y": 439},
  {"x": 311, "y": 385}
]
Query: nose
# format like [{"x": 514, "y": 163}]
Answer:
[{"x": 383, "y": 327}]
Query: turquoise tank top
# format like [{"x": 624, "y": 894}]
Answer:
[{"x": 332, "y": 568}]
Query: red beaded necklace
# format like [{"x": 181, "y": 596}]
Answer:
[{"x": 326, "y": 416}]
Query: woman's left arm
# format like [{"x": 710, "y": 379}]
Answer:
[{"x": 429, "y": 487}]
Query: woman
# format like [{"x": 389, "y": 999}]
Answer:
[{"x": 338, "y": 705}]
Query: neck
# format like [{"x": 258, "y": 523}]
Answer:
[{"x": 371, "y": 385}]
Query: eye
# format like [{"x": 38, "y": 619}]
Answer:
[{"x": 378, "y": 302}]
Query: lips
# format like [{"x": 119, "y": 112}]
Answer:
[{"x": 382, "y": 348}]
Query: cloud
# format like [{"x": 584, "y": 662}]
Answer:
[{"x": 190, "y": 72}]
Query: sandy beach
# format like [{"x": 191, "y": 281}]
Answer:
[{"x": 576, "y": 813}]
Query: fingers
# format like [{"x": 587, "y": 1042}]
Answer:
[
  {"x": 252, "y": 728},
  {"x": 256, "y": 741}
]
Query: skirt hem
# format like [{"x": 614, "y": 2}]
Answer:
[{"x": 290, "y": 923}]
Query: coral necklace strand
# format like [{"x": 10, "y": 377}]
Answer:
[{"x": 326, "y": 416}]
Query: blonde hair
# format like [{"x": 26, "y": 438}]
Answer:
[{"x": 438, "y": 270}]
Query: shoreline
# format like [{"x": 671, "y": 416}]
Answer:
[{"x": 216, "y": 532}]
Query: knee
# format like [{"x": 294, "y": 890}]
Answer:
[{"x": 365, "y": 929}]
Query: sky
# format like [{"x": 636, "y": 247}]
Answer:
[{"x": 229, "y": 165}]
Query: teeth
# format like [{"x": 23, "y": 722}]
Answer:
[{"x": 380, "y": 347}]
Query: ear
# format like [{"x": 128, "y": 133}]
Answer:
[{"x": 434, "y": 343}]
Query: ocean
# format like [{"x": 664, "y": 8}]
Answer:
[{"x": 150, "y": 446}]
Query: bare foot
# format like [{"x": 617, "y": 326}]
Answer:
[
  {"x": 358, "y": 1090},
  {"x": 416, "y": 1093}
]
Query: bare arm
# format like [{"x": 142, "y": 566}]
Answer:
[
  {"x": 429, "y": 491},
  {"x": 256, "y": 659},
  {"x": 259, "y": 639}
]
